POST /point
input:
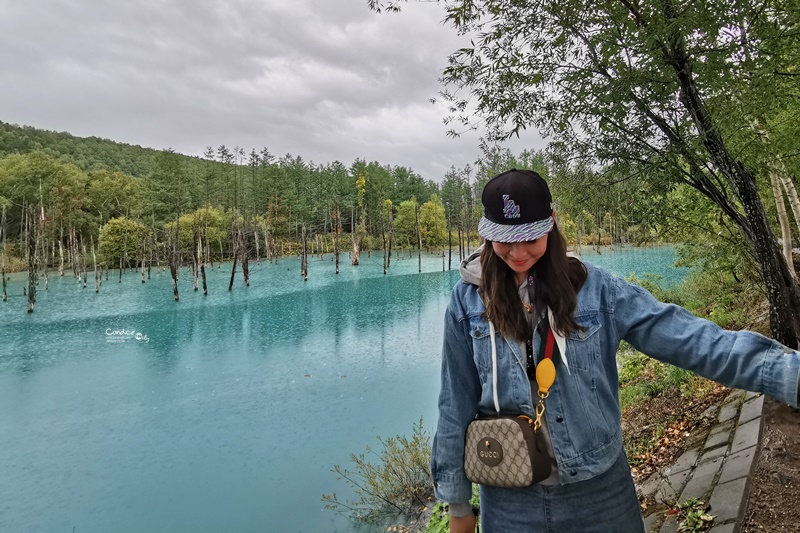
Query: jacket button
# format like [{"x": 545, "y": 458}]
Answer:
[
  {"x": 582, "y": 335},
  {"x": 573, "y": 473},
  {"x": 559, "y": 418}
]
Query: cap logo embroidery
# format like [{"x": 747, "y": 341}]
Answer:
[{"x": 510, "y": 209}]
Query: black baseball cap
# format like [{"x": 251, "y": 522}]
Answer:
[{"x": 517, "y": 207}]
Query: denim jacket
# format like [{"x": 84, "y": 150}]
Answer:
[{"x": 583, "y": 412}]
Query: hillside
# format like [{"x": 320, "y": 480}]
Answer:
[{"x": 88, "y": 153}]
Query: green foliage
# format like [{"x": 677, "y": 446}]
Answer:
[
  {"x": 122, "y": 239},
  {"x": 642, "y": 378},
  {"x": 693, "y": 516},
  {"x": 206, "y": 222},
  {"x": 432, "y": 223},
  {"x": 39, "y": 179},
  {"x": 568, "y": 228},
  {"x": 631, "y": 363},
  {"x": 440, "y": 519},
  {"x": 167, "y": 189},
  {"x": 397, "y": 484},
  {"x": 631, "y": 130},
  {"x": 405, "y": 222},
  {"x": 111, "y": 194},
  {"x": 654, "y": 284},
  {"x": 89, "y": 154},
  {"x": 713, "y": 290}
]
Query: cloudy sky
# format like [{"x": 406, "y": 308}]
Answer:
[{"x": 323, "y": 79}]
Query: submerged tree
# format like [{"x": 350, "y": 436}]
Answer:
[
  {"x": 4, "y": 203},
  {"x": 359, "y": 230},
  {"x": 33, "y": 229}
]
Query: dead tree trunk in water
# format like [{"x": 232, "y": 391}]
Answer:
[
  {"x": 391, "y": 237},
  {"x": 173, "y": 266},
  {"x": 245, "y": 254},
  {"x": 23, "y": 234},
  {"x": 123, "y": 260},
  {"x": 61, "y": 250},
  {"x": 233, "y": 268},
  {"x": 33, "y": 260},
  {"x": 304, "y": 259},
  {"x": 460, "y": 245},
  {"x": 467, "y": 234},
  {"x": 202, "y": 265},
  {"x": 235, "y": 249},
  {"x": 174, "y": 263},
  {"x": 72, "y": 251},
  {"x": 355, "y": 236},
  {"x": 196, "y": 255},
  {"x": 85, "y": 274},
  {"x": 383, "y": 240},
  {"x": 94, "y": 264},
  {"x": 151, "y": 244},
  {"x": 3, "y": 267},
  {"x": 337, "y": 230},
  {"x": 173, "y": 269},
  {"x": 449, "y": 242},
  {"x": 436, "y": 233},
  {"x": 419, "y": 238},
  {"x": 266, "y": 242},
  {"x": 209, "y": 259}
]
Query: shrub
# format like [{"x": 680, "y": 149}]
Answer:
[
  {"x": 440, "y": 519},
  {"x": 398, "y": 484}
]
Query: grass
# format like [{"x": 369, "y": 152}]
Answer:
[{"x": 642, "y": 378}]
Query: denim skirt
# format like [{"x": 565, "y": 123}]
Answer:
[{"x": 604, "y": 504}]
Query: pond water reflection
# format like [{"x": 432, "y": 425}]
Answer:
[{"x": 126, "y": 411}]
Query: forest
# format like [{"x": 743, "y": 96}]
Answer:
[
  {"x": 79, "y": 204},
  {"x": 85, "y": 205}
]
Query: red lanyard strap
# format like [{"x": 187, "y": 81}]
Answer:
[{"x": 551, "y": 340}]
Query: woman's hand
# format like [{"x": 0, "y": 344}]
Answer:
[{"x": 464, "y": 524}]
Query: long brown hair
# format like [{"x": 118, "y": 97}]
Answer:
[{"x": 557, "y": 279}]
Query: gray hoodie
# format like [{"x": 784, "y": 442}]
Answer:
[{"x": 470, "y": 268}]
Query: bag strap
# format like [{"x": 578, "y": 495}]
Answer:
[{"x": 548, "y": 354}]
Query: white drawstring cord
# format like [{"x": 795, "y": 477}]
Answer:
[{"x": 494, "y": 369}]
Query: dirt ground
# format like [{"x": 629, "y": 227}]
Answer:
[
  {"x": 660, "y": 429},
  {"x": 774, "y": 502}
]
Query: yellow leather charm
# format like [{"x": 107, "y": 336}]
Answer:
[{"x": 545, "y": 375}]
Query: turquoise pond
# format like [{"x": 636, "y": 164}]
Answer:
[{"x": 125, "y": 411}]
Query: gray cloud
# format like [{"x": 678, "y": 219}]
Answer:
[{"x": 326, "y": 80}]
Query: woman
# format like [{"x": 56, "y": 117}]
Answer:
[{"x": 523, "y": 282}]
